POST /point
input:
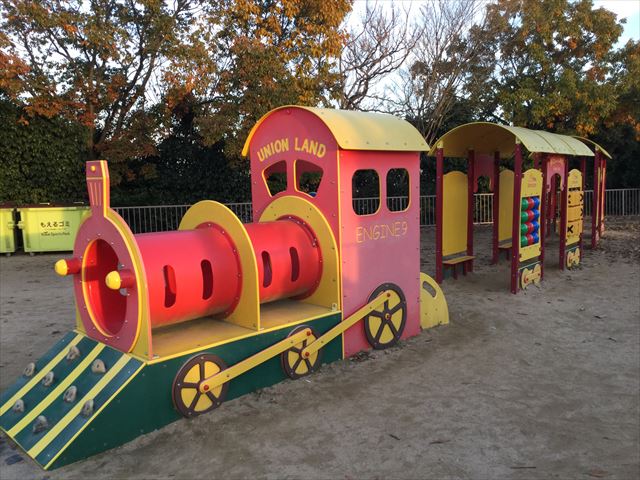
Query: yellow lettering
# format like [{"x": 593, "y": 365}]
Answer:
[
  {"x": 322, "y": 150},
  {"x": 276, "y": 146},
  {"x": 313, "y": 147},
  {"x": 381, "y": 231}
]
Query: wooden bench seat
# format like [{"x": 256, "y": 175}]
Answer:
[
  {"x": 464, "y": 260},
  {"x": 457, "y": 260},
  {"x": 505, "y": 246}
]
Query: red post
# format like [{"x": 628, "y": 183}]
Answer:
[
  {"x": 515, "y": 227},
  {"x": 543, "y": 206},
  {"x": 471, "y": 162},
  {"x": 496, "y": 207},
  {"x": 563, "y": 214},
  {"x": 583, "y": 170},
  {"x": 595, "y": 203},
  {"x": 439, "y": 210},
  {"x": 603, "y": 181}
]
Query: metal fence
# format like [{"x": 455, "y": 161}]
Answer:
[{"x": 618, "y": 202}]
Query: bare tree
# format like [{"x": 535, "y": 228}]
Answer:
[
  {"x": 377, "y": 46},
  {"x": 444, "y": 59}
]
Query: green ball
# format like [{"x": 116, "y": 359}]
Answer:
[
  {"x": 524, "y": 204},
  {"x": 523, "y": 241},
  {"x": 524, "y": 217},
  {"x": 524, "y": 229}
]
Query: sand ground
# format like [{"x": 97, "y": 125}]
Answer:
[{"x": 545, "y": 384}]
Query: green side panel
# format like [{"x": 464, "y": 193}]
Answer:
[
  {"x": 39, "y": 392},
  {"x": 59, "y": 408},
  {"x": 101, "y": 400},
  {"x": 42, "y": 361},
  {"x": 145, "y": 403}
]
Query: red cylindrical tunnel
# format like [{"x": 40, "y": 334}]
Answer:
[
  {"x": 196, "y": 273},
  {"x": 190, "y": 274},
  {"x": 288, "y": 256}
]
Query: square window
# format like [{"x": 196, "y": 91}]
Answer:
[
  {"x": 365, "y": 192},
  {"x": 275, "y": 177},
  {"x": 397, "y": 189},
  {"x": 308, "y": 177}
]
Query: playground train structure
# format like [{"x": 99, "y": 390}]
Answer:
[{"x": 172, "y": 324}]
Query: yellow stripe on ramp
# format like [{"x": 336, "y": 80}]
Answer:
[
  {"x": 73, "y": 413},
  {"x": 56, "y": 392},
  {"x": 40, "y": 375}
]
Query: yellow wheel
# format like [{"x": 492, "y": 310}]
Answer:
[
  {"x": 188, "y": 400},
  {"x": 292, "y": 362},
  {"x": 384, "y": 325},
  {"x": 525, "y": 277}
]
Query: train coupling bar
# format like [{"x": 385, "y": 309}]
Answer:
[{"x": 247, "y": 364}]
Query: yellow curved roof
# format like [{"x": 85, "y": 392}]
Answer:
[
  {"x": 360, "y": 130},
  {"x": 594, "y": 144},
  {"x": 485, "y": 137}
]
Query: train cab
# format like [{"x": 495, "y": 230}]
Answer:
[{"x": 361, "y": 170}]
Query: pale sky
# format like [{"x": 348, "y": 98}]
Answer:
[{"x": 629, "y": 9}]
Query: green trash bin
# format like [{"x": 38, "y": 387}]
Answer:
[
  {"x": 7, "y": 230},
  {"x": 48, "y": 228}
]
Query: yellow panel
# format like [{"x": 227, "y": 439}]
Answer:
[
  {"x": 575, "y": 210},
  {"x": 361, "y": 130},
  {"x": 531, "y": 187},
  {"x": 328, "y": 292},
  {"x": 575, "y": 198},
  {"x": 574, "y": 213},
  {"x": 505, "y": 207},
  {"x": 454, "y": 213},
  {"x": 434, "y": 310},
  {"x": 196, "y": 335},
  {"x": 485, "y": 137},
  {"x": 575, "y": 179},
  {"x": 247, "y": 312},
  {"x": 287, "y": 312},
  {"x": 531, "y": 184}
]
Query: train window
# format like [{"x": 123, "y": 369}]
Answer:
[
  {"x": 295, "y": 264},
  {"x": 276, "y": 177},
  {"x": 169, "y": 286},
  {"x": 397, "y": 189},
  {"x": 308, "y": 177},
  {"x": 365, "y": 192},
  {"x": 207, "y": 279},
  {"x": 266, "y": 268}
]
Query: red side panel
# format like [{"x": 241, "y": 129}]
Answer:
[{"x": 379, "y": 248}]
